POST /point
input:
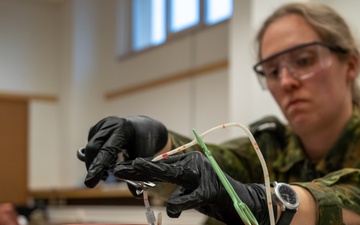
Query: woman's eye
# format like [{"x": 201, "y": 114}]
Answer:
[
  {"x": 270, "y": 70},
  {"x": 272, "y": 73},
  {"x": 304, "y": 61}
]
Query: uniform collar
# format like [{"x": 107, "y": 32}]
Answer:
[{"x": 294, "y": 153}]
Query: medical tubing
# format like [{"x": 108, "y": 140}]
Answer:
[
  {"x": 159, "y": 220},
  {"x": 150, "y": 215},
  {"x": 256, "y": 148},
  {"x": 246, "y": 216}
]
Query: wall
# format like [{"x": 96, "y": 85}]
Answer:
[
  {"x": 30, "y": 63},
  {"x": 29, "y": 44}
]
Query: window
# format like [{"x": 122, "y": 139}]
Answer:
[
  {"x": 183, "y": 14},
  {"x": 153, "y": 21},
  {"x": 148, "y": 23},
  {"x": 217, "y": 10}
]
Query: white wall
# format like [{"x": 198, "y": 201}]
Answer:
[
  {"x": 30, "y": 63},
  {"x": 45, "y": 146},
  {"x": 69, "y": 49},
  {"x": 29, "y": 46},
  {"x": 349, "y": 10}
]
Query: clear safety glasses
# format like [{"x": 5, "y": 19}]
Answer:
[{"x": 301, "y": 62}]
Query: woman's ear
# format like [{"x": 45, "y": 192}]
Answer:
[{"x": 353, "y": 67}]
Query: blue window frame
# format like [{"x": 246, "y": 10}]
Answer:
[
  {"x": 153, "y": 21},
  {"x": 148, "y": 23},
  {"x": 183, "y": 14},
  {"x": 217, "y": 11}
]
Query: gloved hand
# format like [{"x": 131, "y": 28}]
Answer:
[
  {"x": 200, "y": 188},
  {"x": 140, "y": 136}
]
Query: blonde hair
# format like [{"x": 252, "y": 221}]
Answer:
[{"x": 327, "y": 23}]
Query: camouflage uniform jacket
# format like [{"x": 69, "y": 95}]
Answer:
[{"x": 334, "y": 181}]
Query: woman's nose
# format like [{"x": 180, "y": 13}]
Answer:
[{"x": 287, "y": 78}]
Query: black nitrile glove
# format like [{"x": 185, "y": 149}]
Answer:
[
  {"x": 200, "y": 188},
  {"x": 140, "y": 136}
]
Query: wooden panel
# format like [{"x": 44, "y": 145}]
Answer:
[
  {"x": 86, "y": 196},
  {"x": 81, "y": 193},
  {"x": 27, "y": 96},
  {"x": 13, "y": 151}
]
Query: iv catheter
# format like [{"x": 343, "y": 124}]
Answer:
[
  {"x": 150, "y": 215},
  {"x": 241, "y": 208},
  {"x": 256, "y": 148},
  {"x": 139, "y": 185}
]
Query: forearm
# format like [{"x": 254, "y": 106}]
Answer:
[
  {"x": 307, "y": 211},
  {"x": 350, "y": 218}
]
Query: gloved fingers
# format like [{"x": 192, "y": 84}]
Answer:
[
  {"x": 98, "y": 167},
  {"x": 100, "y": 159},
  {"x": 126, "y": 170},
  {"x": 183, "y": 169},
  {"x": 145, "y": 169},
  {"x": 104, "y": 135},
  {"x": 182, "y": 199},
  {"x": 101, "y": 154}
]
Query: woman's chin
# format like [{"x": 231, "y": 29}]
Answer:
[{"x": 299, "y": 122}]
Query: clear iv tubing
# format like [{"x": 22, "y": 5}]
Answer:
[
  {"x": 255, "y": 146},
  {"x": 150, "y": 216}
]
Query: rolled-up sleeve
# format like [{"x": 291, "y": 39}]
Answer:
[{"x": 333, "y": 192}]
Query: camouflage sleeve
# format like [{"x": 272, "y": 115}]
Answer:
[
  {"x": 237, "y": 158},
  {"x": 337, "y": 190}
]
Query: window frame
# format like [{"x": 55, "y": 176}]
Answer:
[{"x": 169, "y": 36}]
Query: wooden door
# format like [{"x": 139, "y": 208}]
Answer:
[{"x": 13, "y": 150}]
